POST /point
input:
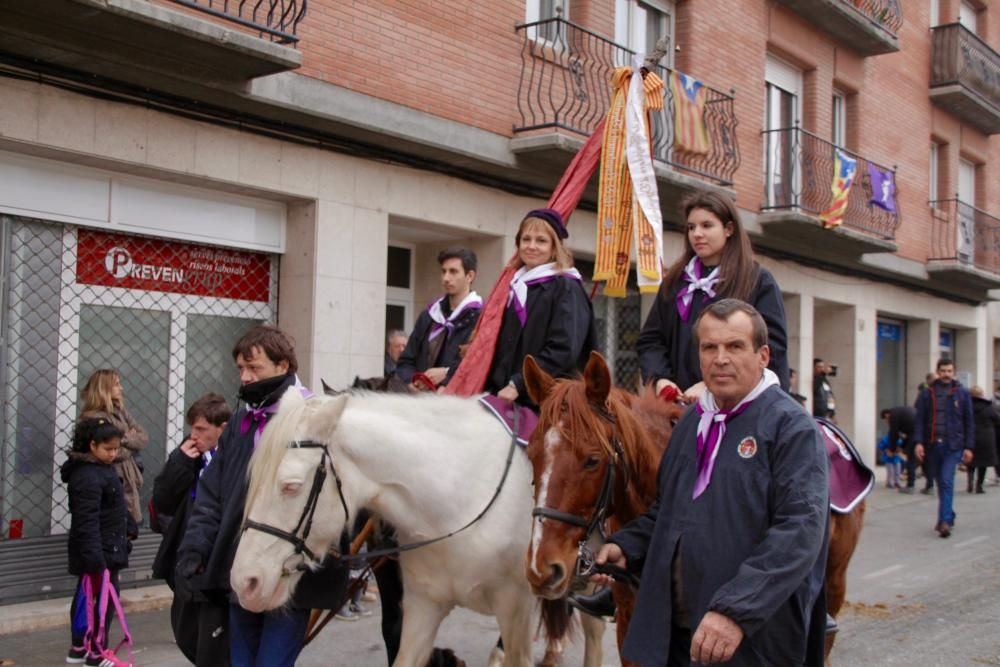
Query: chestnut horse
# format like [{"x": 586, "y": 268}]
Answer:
[{"x": 595, "y": 456}]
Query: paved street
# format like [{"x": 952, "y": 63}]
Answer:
[{"x": 915, "y": 599}]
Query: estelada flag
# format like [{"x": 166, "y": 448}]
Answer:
[
  {"x": 690, "y": 133},
  {"x": 845, "y": 168}
]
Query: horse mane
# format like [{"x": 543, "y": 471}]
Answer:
[{"x": 640, "y": 421}]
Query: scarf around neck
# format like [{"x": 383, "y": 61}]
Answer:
[
  {"x": 524, "y": 278},
  {"x": 472, "y": 301},
  {"x": 693, "y": 277},
  {"x": 262, "y": 414},
  {"x": 712, "y": 428}
]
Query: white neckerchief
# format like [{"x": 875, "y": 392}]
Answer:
[
  {"x": 471, "y": 300},
  {"x": 523, "y": 277},
  {"x": 712, "y": 426},
  {"x": 695, "y": 281}
]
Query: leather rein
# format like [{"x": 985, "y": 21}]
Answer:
[
  {"x": 586, "y": 564},
  {"x": 304, "y": 524}
]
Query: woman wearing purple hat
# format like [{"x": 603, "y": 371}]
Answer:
[{"x": 548, "y": 313}]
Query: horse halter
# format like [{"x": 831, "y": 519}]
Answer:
[
  {"x": 306, "y": 518},
  {"x": 585, "y": 564}
]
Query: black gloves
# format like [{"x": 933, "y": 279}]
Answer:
[{"x": 189, "y": 565}]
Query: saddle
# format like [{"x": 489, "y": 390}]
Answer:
[
  {"x": 850, "y": 479},
  {"x": 504, "y": 411}
]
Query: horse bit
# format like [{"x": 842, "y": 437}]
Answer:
[{"x": 586, "y": 564}]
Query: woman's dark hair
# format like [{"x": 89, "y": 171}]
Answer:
[
  {"x": 97, "y": 429},
  {"x": 274, "y": 342},
  {"x": 737, "y": 267}
]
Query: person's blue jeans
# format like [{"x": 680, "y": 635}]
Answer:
[
  {"x": 273, "y": 638},
  {"x": 944, "y": 461}
]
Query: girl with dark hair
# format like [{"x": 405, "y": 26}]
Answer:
[
  {"x": 97, "y": 533},
  {"x": 548, "y": 313},
  {"x": 718, "y": 263}
]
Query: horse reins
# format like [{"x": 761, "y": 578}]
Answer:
[
  {"x": 319, "y": 478},
  {"x": 586, "y": 564}
]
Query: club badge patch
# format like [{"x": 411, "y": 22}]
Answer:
[{"x": 747, "y": 447}]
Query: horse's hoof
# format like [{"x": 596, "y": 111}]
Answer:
[
  {"x": 496, "y": 657},
  {"x": 551, "y": 659}
]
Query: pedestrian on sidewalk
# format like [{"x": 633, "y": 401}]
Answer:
[
  {"x": 200, "y": 623},
  {"x": 987, "y": 423},
  {"x": 104, "y": 397},
  {"x": 98, "y": 538},
  {"x": 945, "y": 435}
]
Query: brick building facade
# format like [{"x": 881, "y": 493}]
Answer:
[{"x": 345, "y": 144}]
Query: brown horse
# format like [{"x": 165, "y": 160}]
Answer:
[{"x": 591, "y": 435}]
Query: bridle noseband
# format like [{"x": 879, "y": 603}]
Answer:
[
  {"x": 306, "y": 518},
  {"x": 585, "y": 559}
]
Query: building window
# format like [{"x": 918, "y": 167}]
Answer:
[
  {"x": 935, "y": 11},
  {"x": 546, "y": 10},
  {"x": 399, "y": 287},
  {"x": 967, "y": 15},
  {"x": 839, "y": 137},
  {"x": 640, "y": 24},
  {"x": 967, "y": 182},
  {"x": 783, "y": 86},
  {"x": 932, "y": 180}
]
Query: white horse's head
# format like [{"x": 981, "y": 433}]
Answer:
[{"x": 294, "y": 508}]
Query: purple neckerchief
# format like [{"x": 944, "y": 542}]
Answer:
[
  {"x": 262, "y": 415},
  {"x": 472, "y": 301},
  {"x": 692, "y": 275},
  {"x": 712, "y": 428},
  {"x": 524, "y": 278}
]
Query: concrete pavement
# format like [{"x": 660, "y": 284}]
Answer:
[{"x": 914, "y": 599}]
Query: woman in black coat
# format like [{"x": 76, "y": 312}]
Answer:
[
  {"x": 718, "y": 262},
  {"x": 548, "y": 315},
  {"x": 987, "y": 423}
]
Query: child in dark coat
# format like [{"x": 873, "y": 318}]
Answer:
[{"x": 97, "y": 534}]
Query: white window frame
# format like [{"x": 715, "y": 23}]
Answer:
[
  {"x": 533, "y": 13},
  {"x": 968, "y": 16},
  {"x": 779, "y": 74},
  {"x": 839, "y": 119},
  {"x": 935, "y": 10},
  {"x": 967, "y": 181},
  {"x": 933, "y": 161},
  {"x": 627, "y": 25}
]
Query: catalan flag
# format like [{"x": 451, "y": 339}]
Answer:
[
  {"x": 845, "y": 168},
  {"x": 690, "y": 133}
]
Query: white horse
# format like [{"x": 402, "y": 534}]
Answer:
[{"x": 428, "y": 465}]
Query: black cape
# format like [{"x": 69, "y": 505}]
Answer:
[
  {"x": 666, "y": 345},
  {"x": 416, "y": 357},
  {"x": 752, "y": 546},
  {"x": 558, "y": 332}
]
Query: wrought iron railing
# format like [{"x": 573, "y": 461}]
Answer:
[
  {"x": 965, "y": 233},
  {"x": 798, "y": 174},
  {"x": 277, "y": 19},
  {"x": 886, "y": 14},
  {"x": 962, "y": 57},
  {"x": 565, "y": 83}
]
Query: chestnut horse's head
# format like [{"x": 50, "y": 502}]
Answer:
[{"x": 592, "y": 459}]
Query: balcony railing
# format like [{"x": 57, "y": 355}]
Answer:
[
  {"x": 885, "y": 14},
  {"x": 962, "y": 58},
  {"x": 277, "y": 19},
  {"x": 565, "y": 83},
  {"x": 798, "y": 174},
  {"x": 965, "y": 233}
]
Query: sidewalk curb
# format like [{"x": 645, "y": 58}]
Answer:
[{"x": 32, "y": 616}]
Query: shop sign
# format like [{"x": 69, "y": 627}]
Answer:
[{"x": 132, "y": 262}]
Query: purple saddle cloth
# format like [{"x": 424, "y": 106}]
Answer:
[
  {"x": 504, "y": 411},
  {"x": 850, "y": 479}
]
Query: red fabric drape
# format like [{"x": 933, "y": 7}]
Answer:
[{"x": 470, "y": 378}]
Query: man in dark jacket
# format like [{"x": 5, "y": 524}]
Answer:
[
  {"x": 945, "y": 435},
  {"x": 902, "y": 421},
  {"x": 266, "y": 361},
  {"x": 199, "y": 623},
  {"x": 733, "y": 552},
  {"x": 824, "y": 403},
  {"x": 433, "y": 347}
]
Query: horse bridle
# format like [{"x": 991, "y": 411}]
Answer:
[
  {"x": 306, "y": 518},
  {"x": 586, "y": 564}
]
